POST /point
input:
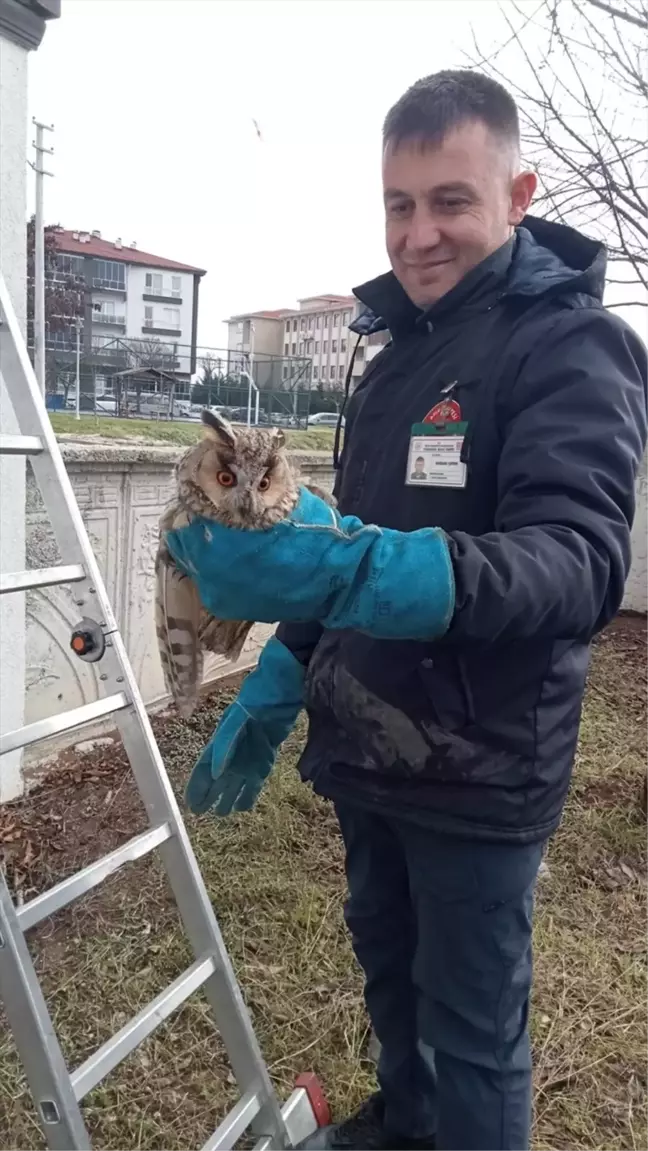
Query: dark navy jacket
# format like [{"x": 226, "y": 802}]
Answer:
[{"x": 475, "y": 734}]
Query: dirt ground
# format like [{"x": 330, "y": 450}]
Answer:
[{"x": 277, "y": 884}]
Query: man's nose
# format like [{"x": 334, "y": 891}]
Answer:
[{"x": 423, "y": 231}]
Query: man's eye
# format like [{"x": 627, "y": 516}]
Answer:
[
  {"x": 453, "y": 203},
  {"x": 398, "y": 209}
]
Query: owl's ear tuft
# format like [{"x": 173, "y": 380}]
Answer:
[
  {"x": 278, "y": 438},
  {"x": 218, "y": 429}
]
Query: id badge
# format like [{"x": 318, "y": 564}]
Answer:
[{"x": 434, "y": 457}]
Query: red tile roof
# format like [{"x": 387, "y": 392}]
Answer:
[
  {"x": 265, "y": 314},
  {"x": 70, "y": 243}
]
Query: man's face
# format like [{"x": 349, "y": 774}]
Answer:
[
  {"x": 418, "y": 465},
  {"x": 448, "y": 207}
]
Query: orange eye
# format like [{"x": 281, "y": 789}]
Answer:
[
  {"x": 264, "y": 484},
  {"x": 226, "y": 479}
]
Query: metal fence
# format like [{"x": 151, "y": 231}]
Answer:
[{"x": 153, "y": 379}]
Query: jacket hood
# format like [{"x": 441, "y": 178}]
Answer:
[{"x": 543, "y": 259}]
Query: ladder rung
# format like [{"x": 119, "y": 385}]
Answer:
[
  {"x": 142, "y": 1025},
  {"x": 235, "y": 1123},
  {"x": 20, "y": 446},
  {"x": 76, "y": 885},
  {"x": 54, "y": 724},
  {"x": 40, "y": 577}
]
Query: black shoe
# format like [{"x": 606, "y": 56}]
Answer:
[{"x": 363, "y": 1131}]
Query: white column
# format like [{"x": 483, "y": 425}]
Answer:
[{"x": 13, "y": 201}]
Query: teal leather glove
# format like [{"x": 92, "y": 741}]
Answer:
[
  {"x": 318, "y": 566},
  {"x": 240, "y": 755}
]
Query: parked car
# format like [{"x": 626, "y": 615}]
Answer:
[{"x": 324, "y": 419}]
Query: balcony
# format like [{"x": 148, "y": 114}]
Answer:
[
  {"x": 165, "y": 294},
  {"x": 158, "y": 329},
  {"x": 110, "y": 285},
  {"x": 105, "y": 318}
]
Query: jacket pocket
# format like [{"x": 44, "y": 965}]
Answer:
[{"x": 446, "y": 690}]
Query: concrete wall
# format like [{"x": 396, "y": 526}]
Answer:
[
  {"x": 121, "y": 491},
  {"x": 636, "y": 597},
  {"x": 13, "y": 199}
]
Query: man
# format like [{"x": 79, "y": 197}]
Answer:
[
  {"x": 419, "y": 472},
  {"x": 444, "y": 675}
]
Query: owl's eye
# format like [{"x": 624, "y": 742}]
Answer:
[
  {"x": 226, "y": 479},
  {"x": 264, "y": 484}
]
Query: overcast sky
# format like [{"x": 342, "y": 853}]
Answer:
[{"x": 153, "y": 103}]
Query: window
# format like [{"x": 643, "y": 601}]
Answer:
[
  {"x": 325, "y": 321},
  {"x": 318, "y": 321},
  {"x": 171, "y": 317},
  {"x": 176, "y": 286},
  {"x": 343, "y": 345},
  {"x": 317, "y": 344},
  {"x": 333, "y": 346},
  {"x": 286, "y": 349},
  {"x": 315, "y": 373},
  {"x": 332, "y": 371},
  {"x": 148, "y": 316},
  {"x": 336, "y": 319},
  {"x": 310, "y": 323},
  {"x": 294, "y": 325},
  {"x": 105, "y": 308},
  {"x": 294, "y": 349},
  {"x": 155, "y": 283},
  {"x": 109, "y": 274},
  {"x": 287, "y": 327},
  {"x": 302, "y": 324},
  {"x": 341, "y": 372},
  {"x": 325, "y": 347},
  {"x": 346, "y": 318},
  {"x": 285, "y": 372},
  {"x": 68, "y": 265},
  {"x": 301, "y": 347}
]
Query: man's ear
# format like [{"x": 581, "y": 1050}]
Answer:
[
  {"x": 522, "y": 192},
  {"x": 218, "y": 429}
]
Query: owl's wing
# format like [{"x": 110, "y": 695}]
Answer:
[
  {"x": 326, "y": 496},
  {"x": 223, "y": 636},
  {"x": 178, "y": 612}
]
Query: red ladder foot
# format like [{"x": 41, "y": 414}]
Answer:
[{"x": 313, "y": 1088}]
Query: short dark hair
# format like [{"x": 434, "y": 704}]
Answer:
[{"x": 432, "y": 107}]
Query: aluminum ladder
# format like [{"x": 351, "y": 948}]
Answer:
[{"x": 56, "y": 1091}]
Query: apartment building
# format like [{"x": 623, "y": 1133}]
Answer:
[
  {"x": 130, "y": 295},
  {"x": 318, "y": 329},
  {"x": 258, "y": 332}
]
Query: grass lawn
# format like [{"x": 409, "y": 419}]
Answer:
[
  {"x": 170, "y": 432},
  {"x": 276, "y": 880}
]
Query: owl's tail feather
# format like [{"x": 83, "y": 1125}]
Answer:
[{"x": 177, "y": 624}]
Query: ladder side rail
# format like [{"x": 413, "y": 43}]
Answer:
[
  {"x": 195, "y": 908},
  {"x": 34, "y": 1035}
]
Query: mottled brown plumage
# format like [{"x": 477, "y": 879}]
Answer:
[{"x": 240, "y": 477}]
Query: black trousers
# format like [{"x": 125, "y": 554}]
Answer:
[{"x": 442, "y": 930}]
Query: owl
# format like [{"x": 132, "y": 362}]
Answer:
[{"x": 240, "y": 477}]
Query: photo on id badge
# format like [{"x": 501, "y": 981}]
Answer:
[{"x": 434, "y": 457}]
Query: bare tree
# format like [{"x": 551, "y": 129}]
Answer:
[{"x": 584, "y": 107}]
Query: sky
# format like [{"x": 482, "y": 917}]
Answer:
[{"x": 153, "y": 104}]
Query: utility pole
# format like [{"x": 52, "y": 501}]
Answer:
[
  {"x": 39, "y": 252},
  {"x": 78, "y": 368}
]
